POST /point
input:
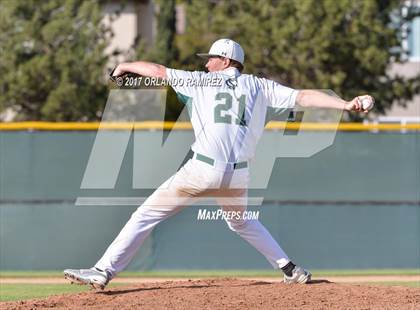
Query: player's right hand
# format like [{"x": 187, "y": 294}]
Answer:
[
  {"x": 353, "y": 105},
  {"x": 356, "y": 104}
]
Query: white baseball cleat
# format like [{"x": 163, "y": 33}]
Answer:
[
  {"x": 299, "y": 275},
  {"x": 93, "y": 277}
]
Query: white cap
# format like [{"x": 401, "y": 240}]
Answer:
[{"x": 226, "y": 48}]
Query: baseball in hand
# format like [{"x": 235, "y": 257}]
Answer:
[{"x": 367, "y": 103}]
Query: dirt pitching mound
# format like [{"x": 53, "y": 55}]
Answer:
[{"x": 228, "y": 293}]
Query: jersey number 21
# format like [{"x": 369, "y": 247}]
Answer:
[{"x": 220, "y": 110}]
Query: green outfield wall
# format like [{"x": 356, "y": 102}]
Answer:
[{"x": 353, "y": 205}]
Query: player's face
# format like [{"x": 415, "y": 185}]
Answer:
[{"x": 216, "y": 64}]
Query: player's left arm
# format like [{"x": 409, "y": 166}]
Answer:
[
  {"x": 316, "y": 99},
  {"x": 143, "y": 68}
]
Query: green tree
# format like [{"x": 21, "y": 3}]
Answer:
[
  {"x": 52, "y": 59},
  {"x": 164, "y": 51},
  {"x": 345, "y": 45}
]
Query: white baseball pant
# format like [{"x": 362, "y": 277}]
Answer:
[{"x": 195, "y": 179}]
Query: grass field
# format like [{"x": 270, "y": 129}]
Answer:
[
  {"x": 21, "y": 291},
  {"x": 217, "y": 273}
]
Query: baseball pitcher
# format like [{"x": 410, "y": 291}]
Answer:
[{"x": 228, "y": 118}]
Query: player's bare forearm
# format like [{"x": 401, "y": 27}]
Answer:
[
  {"x": 142, "y": 68},
  {"x": 317, "y": 99}
]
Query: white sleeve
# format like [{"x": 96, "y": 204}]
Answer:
[
  {"x": 180, "y": 81},
  {"x": 277, "y": 95}
]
